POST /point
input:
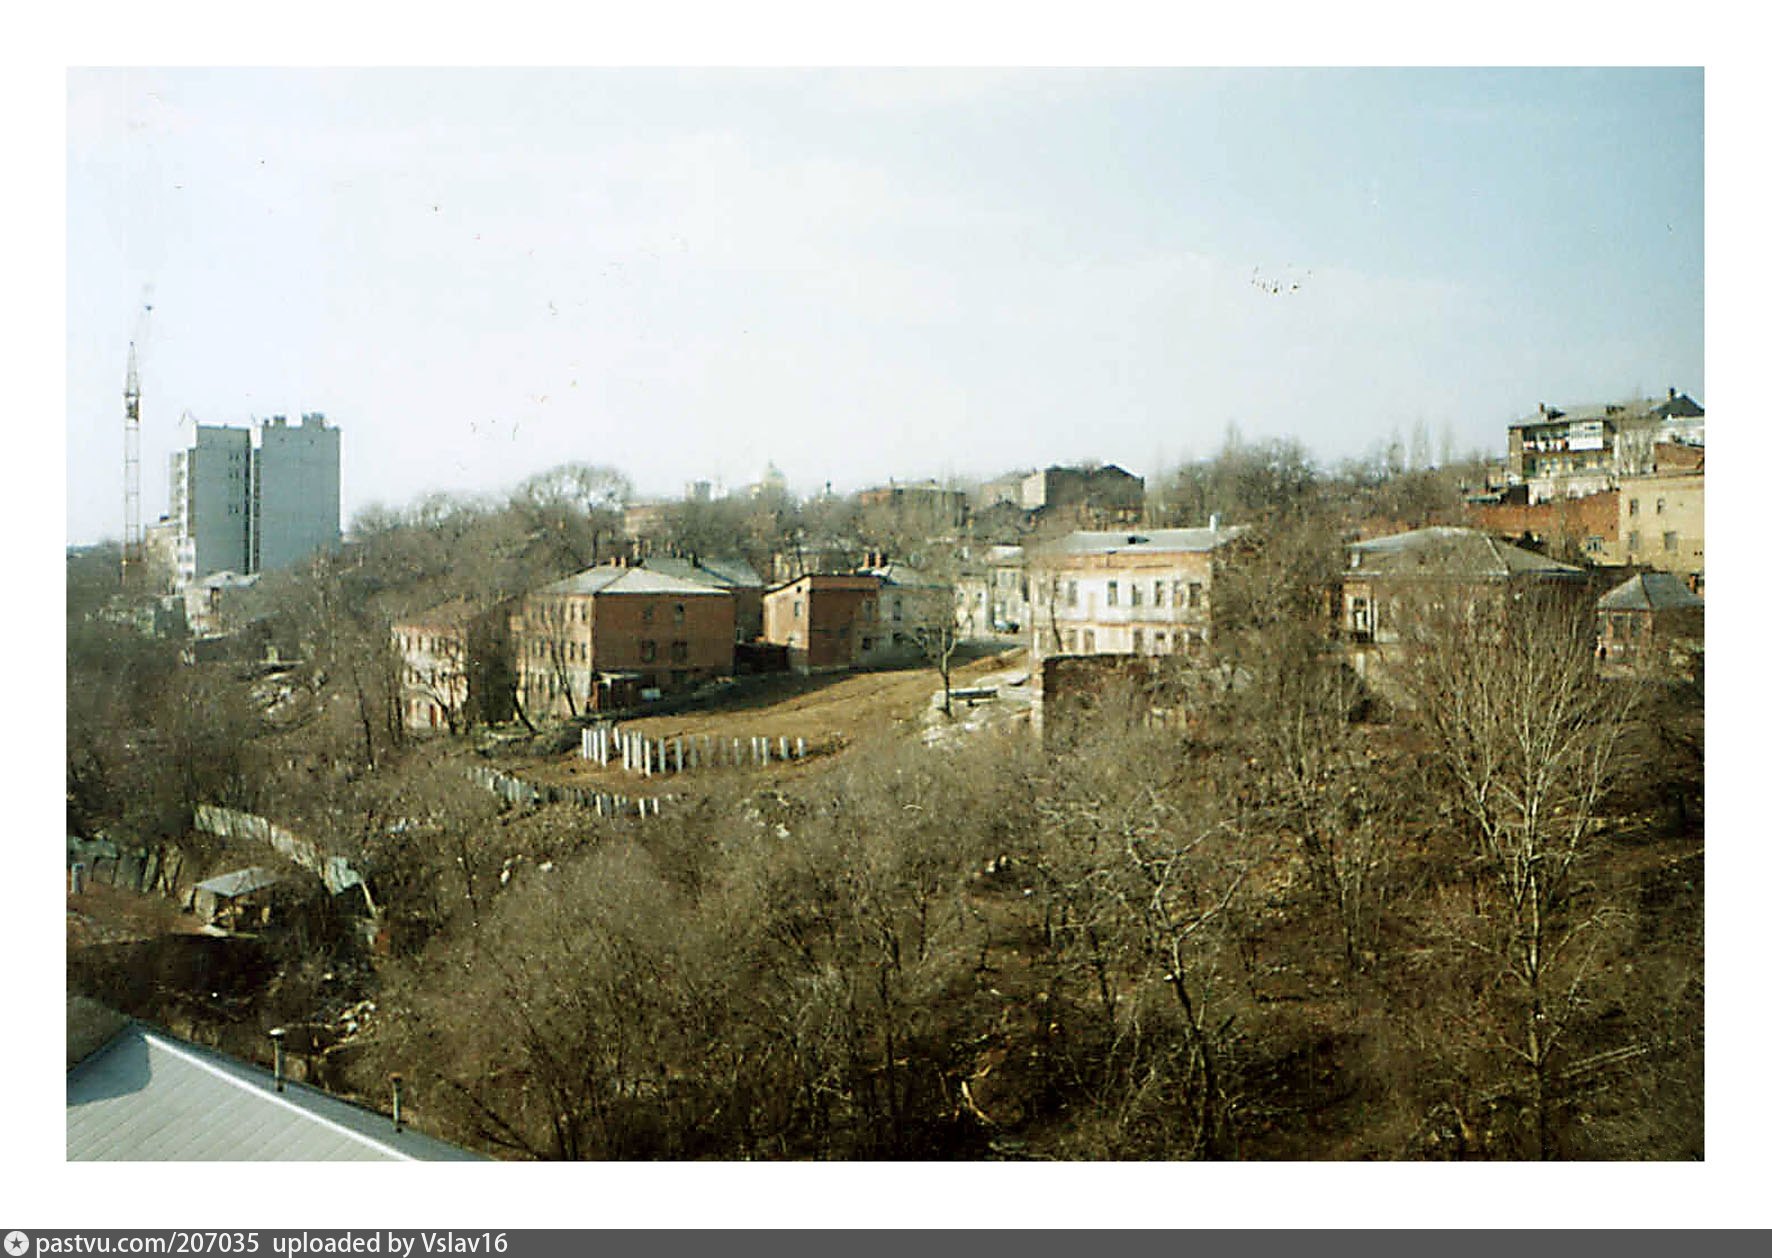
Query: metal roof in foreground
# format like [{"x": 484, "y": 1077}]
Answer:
[{"x": 149, "y": 1097}]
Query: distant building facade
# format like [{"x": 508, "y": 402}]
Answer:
[
  {"x": 1390, "y": 580},
  {"x": 1101, "y": 495},
  {"x": 1125, "y": 592},
  {"x": 254, "y": 500},
  {"x": 728, "y": 573},
  {"x": 1582, "y": 450},
  {"x": 613, "y": 634},
  {"x": 455, "y": 666},
  {"x": 1650, "y": 619},
  {"x": 827, "y": 621},
  {"x": 1661, "y": 522}
]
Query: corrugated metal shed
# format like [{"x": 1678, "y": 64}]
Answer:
[
  {"x": 148, "y": 1097},
  {"x": 240, "y": 882}
]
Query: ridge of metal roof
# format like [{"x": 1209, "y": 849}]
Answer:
[{"x": 146, "y": 1096}]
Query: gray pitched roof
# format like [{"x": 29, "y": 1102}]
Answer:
[
  {"x": 1154, "y": 541},
  {"x": 148, "y": 1097},
  {"x": 240, "y": 881},
  {"x": 721, "y": 572},
  {"x": 1650, "y": 592},
  {"x": 614, "y": 579},
  {"x": 1452, "y": 552}
]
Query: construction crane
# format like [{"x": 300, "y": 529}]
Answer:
[{"x": 132, "y": 476}]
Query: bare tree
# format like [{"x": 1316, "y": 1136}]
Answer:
[{"x": 1527, "y": 740}]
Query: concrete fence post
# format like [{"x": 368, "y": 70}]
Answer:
[
  {"x": 799, "y": 749},
  {"x": 763, "y": 746},
  {"x": 782, "y": 746}
]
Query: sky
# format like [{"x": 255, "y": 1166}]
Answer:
[{"x": 867, "y": 273}]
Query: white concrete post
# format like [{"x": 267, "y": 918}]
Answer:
[
  {"x": 782, "y": 747},
  {"x": 679, "y": 755},
  {"x": 799, "y": 749}
]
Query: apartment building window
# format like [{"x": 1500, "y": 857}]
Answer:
[
  {"x": 648, "y": 651},
  {"x": 1156, "y": 593},
  {"x": 646, "y": 613},
  {"x": 677, "y": 614},
  {"x": 1633, "y": 506},
  {"x": 1136, "y": 594},
  {"x": 1159, "y": 641},
  {"x": 1661, "y": 506},
  {"x": 1594, "y": 545},
  {"x": 1194, "y": 599},
  {"x": 679, "y": 652},
  {"x": 1670, "y": 542},
  {"x": 1138, "y": 641},
  {"x": 1175, "y": 593},
  {"x": 1070, "y": 594},
  {"x": 1089, "y": 642},
  {"x": 1635, "y": 541},
  {"x": 1070, "y": 641}
]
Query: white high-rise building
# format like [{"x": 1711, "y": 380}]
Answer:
[{"x": 254, "y": 500}]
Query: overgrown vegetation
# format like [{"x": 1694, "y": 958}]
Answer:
[{"x": 1307, "y": 923}]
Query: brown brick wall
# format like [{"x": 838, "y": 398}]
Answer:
[{"x": 1576, "y": 519}]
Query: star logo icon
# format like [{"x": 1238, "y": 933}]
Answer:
[{"x": 17, "y": 1244}]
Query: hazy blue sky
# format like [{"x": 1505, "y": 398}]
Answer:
[{"x": 478, "y": 274}]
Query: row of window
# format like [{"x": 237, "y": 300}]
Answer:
[
  {"x": 1660, "y": 506},
  {"x": 1161, "y": 642},
  {"x": 1188, "y": 595},
  {"x": 1670, "y": 542}
]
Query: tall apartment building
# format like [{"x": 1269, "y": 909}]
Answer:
[
  {"x": 253, "y": 500},
  {"x": 212, "y": 500}
]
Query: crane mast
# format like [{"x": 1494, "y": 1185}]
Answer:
[{"x": 132, "y": 475}]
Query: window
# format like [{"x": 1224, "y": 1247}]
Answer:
[
  {"x": 1175, "y": 594},
  {"x": 898, "y": 609},
  {"x": 1633, "y": 506},
  {"x": 646, "y": 613},
  {"x": 648, "y": 651},
  {"x": 677, "y": 614},
  {"x": 1670, "y": 542},
  {"x": 1070, "y": 594},
  {"x": 1156, "y": 593},
  {"x": 1136, "y": 593},
  {"x": 1089, "y": 642},
  {"x": 1635, "y": 541},
  {"x": 1661, "y": 506},
  {"x": 1594, "y": 545},
  {"x": 1194, "y": 598},
  {"x": 1070, "y": 641},
  {"x": 679, "y": 652},
  {"x": 799, "y": 609},
  {"x": 1137, "y": 640},
  {"x": 1159, "y": 641},
  {"x": 867, "y": 644},
  {"x": 1113, "y": 593}
]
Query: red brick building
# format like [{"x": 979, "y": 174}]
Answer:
[
  {"x": 613, "y": 634},
  {"x": 1569, "y": 526},
  {"x": 827, "y": 622}
]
